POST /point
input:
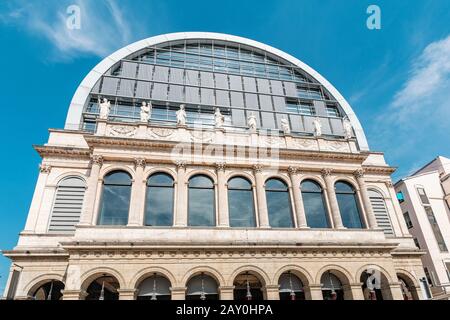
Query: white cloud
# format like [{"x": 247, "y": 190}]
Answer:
[
  {"x": 427, "y": 90},
  {"x": 104, "y": 27}
]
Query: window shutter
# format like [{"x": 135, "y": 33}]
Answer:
[
  {"x": 381, "y": 213},
  {"x": 67, "y": 207}
]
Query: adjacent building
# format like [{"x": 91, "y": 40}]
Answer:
[
  {"x": 425, "y": 201},
  {"x": 210, "y": 166}
]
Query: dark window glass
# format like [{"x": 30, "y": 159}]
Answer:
[
  {"x": 159, "y": 200},
  {"x": 240, "y": 203},
  {"x": 408, "y": 220},
  {"x": 201, "y": 202},
  {"x": 436, "y": 229},
  {"x": 313, "y": 202},
  {"x": 423, "y": 196},
  {"x": 278, "y": 204},
  {"x": 115, "y": 202},
  {"x": 348, "y": 206}
]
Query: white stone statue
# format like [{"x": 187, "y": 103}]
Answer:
[
  {"x": 348, "y": 129},
  {"x": 285, "y": 126},
  {"x": 251, "y": 122},
  {"x": 105, "y": 107},
  {"x": 317, "y": 127},
  {"x": 219, "y": 118},
  {"x": 181, "y": 116},
  {"x": 146, "y": 110}
]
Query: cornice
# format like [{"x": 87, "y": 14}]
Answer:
[{"x": 57, "y": 151}]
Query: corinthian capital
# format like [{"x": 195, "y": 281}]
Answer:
[
  {"x": 181, "y": 164},
  {"x": 220, "y": 166},
  {"x": 292, "y": 170},
  {"x": 326, "y": 172},
  {"x": 359, "y": 173},
  {"x": 44, "y": 168},
  {"x": 139, "y": 162},
  {"x": 257, "y": 168},
  {"x": 97, "y": 159}
]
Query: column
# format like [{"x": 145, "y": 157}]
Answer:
[
  {"x": 178, "y": 293},
  {"x": 313, "y": 292},
  {"x": 44, "y": 171},
  {"x": 74, "y": 294},
  {"x": 91, "y": 191},
  {"x": 222, "y": 195},
  {"x": 226, "y": 292},
  {"x": 334, "y": 207},
  {"x": 372, "y": 221},
  {"x": 263, "y": 216},
  {"x": 127, "y": 294},
  {"x": 396, "y": 290},
  {"x": 181, "y": 208},
  {"x": 298, "y": 200},
  {"x": 356, "y": 291},
  {"x": 272, "y": 292},
  {"x": 136, "y": 216}
]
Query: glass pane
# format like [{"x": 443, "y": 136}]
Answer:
[
  {"x": 241, "y": 209},
  {"x": 343, "y": 187},
  {"x": 316, "y": 215},
  {"x": 276, "y": 184},
  {"x": 239, "y": 183},
  {"x": 201, "y": 207},
  {"x": 159, "y": 206},
  {"x": 279, "y": 209},
  {"x": 118, "y": 178},
  {"x": 310, "y": 186},
  {"x": 200, "y": 182},
  {"x": 349, "y": 210},
  {"x": 115, "y": 205},
  {"x": 160, "y": 179}
]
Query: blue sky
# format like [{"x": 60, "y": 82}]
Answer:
[{"x": 397, "y": 79}]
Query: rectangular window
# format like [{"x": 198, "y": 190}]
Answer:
[
  {"x": 423, "y": 195},
  {"x": 332, "y": 111},
  {"x": 300, "y": 107},
  {"x": 427, "y": 274},
  {"x": 408, "y": 220},
  {"x": 416, "y": 242},
  {"x": 400, "y": 197},
  {"x": 436, "y": 229},
  {"x": 309, "y": 93}
]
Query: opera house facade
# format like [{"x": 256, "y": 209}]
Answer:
[{"x": 210, "y": 166}]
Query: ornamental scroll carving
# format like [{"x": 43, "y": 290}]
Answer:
[{"x": 122, "y": 131}]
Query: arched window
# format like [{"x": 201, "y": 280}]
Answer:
[
  {"x": 314, "y": 204},
  {"x": 201, "y": 202},
  {"x": 348, "y": 206},
  {"x": 202, "y": 287},
  {"x": 51, "y": 290},
  {"x": 104, "y": 287},
  {"x": 67, "y": 206},
  {"x": 247, "y": 286},
  {"x": 240, "y": 203},
  {"x": 155, "y": 287},
  {"x": 278, "y": 204},
  {"x": 380, "y": 211},
  {"x": 331, "y": 287},
  {"x": 115, "y": 202},
  {"x": 159, "y": 200},
  {"x": 291, "y": 287}
]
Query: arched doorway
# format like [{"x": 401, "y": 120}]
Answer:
[
  {"x": 375, "y": 285},
  {"x": 247, "y": 286},
  {"x": 105, "y": 287},
  {"x": 202, "y": 287},
  {"x": 409, "y": 290},
  {"x": 332, "y": 287},
  {"x": 155, "y": 287},
  {"x": 291, "y": 287},
  {"x": 50, "y": 290}
]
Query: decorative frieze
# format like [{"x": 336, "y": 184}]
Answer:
[{"x": 45, "y": 168}]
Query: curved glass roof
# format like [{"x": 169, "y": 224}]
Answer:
[{"x": 205, "y": 71}]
